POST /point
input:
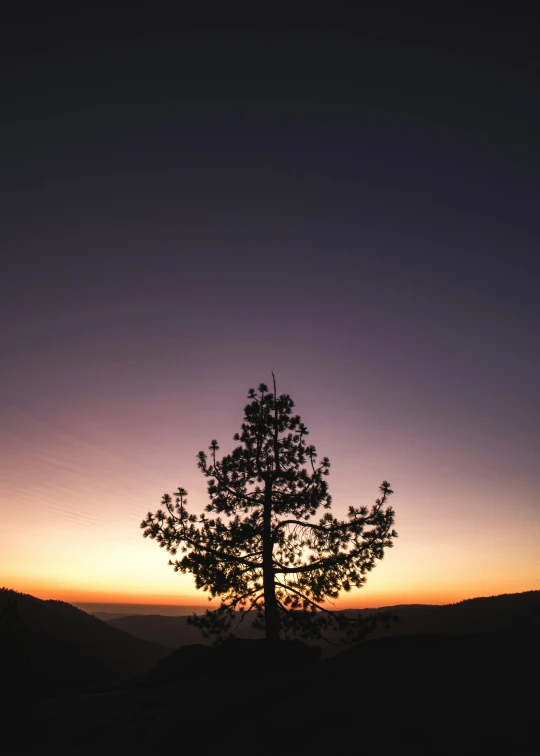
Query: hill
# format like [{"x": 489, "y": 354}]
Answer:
[
  {"x": 512, "y": 613},
  {"x": 50, "y": 646},
  {"x": 172, "y": 632},
  {"x": 517, "y": 613},
  {"x": 425, "y": 694}
]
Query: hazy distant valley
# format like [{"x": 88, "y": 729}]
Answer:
[{"x": 514, "y": 613}]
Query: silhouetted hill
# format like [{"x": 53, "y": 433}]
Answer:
[
  {"x": 432, "y": 694},
  {"x": 421, "y": 694},
  {"x": 50, "y": 646},
  {"x": 513, "y": 613},
  {"x": 234, "y": 657}
]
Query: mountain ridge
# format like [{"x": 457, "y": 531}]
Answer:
[{"x": 515, "y": 613}]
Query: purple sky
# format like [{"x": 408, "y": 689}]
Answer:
[{"x": 353, "y": 206}]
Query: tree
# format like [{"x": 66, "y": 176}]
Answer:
[{"x": 259, "y": 548}]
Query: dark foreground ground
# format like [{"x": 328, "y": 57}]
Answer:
[{"x": 415, "y": 694}]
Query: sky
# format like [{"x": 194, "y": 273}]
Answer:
[{"x": 188, "y": 204}]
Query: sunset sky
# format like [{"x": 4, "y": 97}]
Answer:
[{"x": 350, "y": 202}]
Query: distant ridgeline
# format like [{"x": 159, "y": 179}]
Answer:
[
  {"x": 108, "y": 611},
  {"x": 509, "y": 613},
  {"x": 516, "y": 613}
]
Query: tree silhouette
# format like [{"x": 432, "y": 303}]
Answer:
[{"x": 259, "y": 549}]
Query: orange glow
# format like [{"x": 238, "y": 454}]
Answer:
[
  {"x": 354, "y": 600},
  {"x": 74, "y": 501}
]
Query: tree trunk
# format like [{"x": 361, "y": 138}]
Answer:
[{"x": 271, "y": 615}]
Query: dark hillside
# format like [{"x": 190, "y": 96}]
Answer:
[
  {"x": 172, "y": 632},
  {"x": 50, "y": 646},
  {"x": 422, "y": 694}
]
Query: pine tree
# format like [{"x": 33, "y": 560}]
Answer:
[{"x": 259, "y": 547}]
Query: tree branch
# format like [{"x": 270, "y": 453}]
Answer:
[
  {"x": 306, "y": 567},
  {"x": 305, "y": 598},
  {"x": 312, "y": 525},
  {"x": 276, "y": 429},
  {"x": 218, "y": 554}
]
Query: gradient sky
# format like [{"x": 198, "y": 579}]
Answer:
[{"x": 351, "y": 202}]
